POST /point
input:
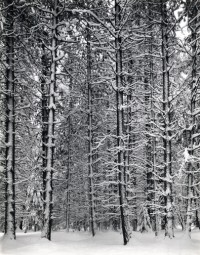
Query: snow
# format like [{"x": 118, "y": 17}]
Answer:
[
  {"x": 186, "y": 155},
  {"x": 104, "y": 243}
]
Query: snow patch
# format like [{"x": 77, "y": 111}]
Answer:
[{"x": 186, "y": 155}]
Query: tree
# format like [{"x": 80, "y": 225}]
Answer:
[
  {"x": 167, "y": 111},
  {"x": 193, "y": 141},
  {"x": 48, "y": 203},
  {"x": 120, "y": 119},
  {"x": 10, "y": 122}
]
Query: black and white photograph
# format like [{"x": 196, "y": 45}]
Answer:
[{"x": 100, "y": 127}]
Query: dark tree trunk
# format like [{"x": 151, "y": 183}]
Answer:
[
  {"x": 48, "y": 190},
  {"x": 153, "y": 181},
  {"x": 90, "y": 135},
  {"x": 119, "y": 101},
  {"x": 167, "y": 160},
  {"x": 193, "y": 25},
  {"x": 69, "y": 160},
  {"x": 45, "y": 70},
  {"x": 10, "y": 124}
]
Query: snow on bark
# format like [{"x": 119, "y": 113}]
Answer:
[
  {"x": 10, "y": 129},
  {"x": 191, "y": 164},
  {"x": 186, "y": 155},
  {"x": 48, "y": 203},
  {"x": 119, "y": 103},
  {"x": 167, "y": 146},
  {"x": 90, "y": 161}
]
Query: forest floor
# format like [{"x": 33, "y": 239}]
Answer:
[{"x": 104, "y": 243}]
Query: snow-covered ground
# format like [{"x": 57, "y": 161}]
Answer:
[{"x": 104, "y": 243}]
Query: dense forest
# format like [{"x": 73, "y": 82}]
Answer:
[{"x": 99, "y": 116}]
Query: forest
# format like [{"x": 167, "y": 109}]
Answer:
[{"x": 99, "y": 117}]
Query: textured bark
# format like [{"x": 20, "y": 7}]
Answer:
[
  {"x": 119, "y": 101},
  {"x": 68, "y": 200},
  {"x": 189, "y": 165},
  {"x": 155, "y": 195},
  {"x": 129, "y": 145},
  {"x": 44, "y": 117},
  {"x": 90, "y": 152},
  {"x": 153, "y": 180},
  {"x": 148, "y": 147},
  {"x": 48, "y": 203},
  {"x": 68, "y": 174},
  {"x": 10, "y": 125},
  {"x": 166, "y": 124}
]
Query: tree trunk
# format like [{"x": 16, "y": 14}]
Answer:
[
  {"x": 119, "y": 101},
  {"x": 10, "y": 125},
  {"x": 154, "y": 196},
  {"x": 44, "y": 119},
  {"x": 189, "y": 165},
  {"x": 48, "y": 203},
  {"x": 90, "y": 152},
  {"x": 166, "y": 124},
  {"x": 148, "y": 147},
  {"x": 69, "y": 160},
  {"x": 68, "y": 175}
]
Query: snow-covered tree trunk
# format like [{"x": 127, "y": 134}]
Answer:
[
  {"x": 129, "y": 140},
  {"x": 90, "y": 138},
  {"x": 166, "y": 124},
  {"x": 44, "y": 116},
  {"x": 193, "y": 20},
  {"x": 153, "y": 120},
  {"x": 119, "y": 106},
  {"x": 69, "y": 159},
  {"x": 10, "y": 124},
  {"x": 148, "y": 146},
  {"x": 153, "y": 145},
  {"x": 48, "y": 203},
  {"x": 68, "y": 177}
]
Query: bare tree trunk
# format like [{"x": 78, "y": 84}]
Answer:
[
  {"x": 90, "y": 138},
  {"x": 119, "y": 101},
  {"x": 10, "y": 125}
]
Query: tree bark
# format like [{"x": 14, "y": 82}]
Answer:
[
  {"x": 119, "y": 104},
  {"x": 10, "y": 125},
  {"x": 166, "y": 124},
  {"x": 48, "y": 203},
  {"x": 154, "y": 196},
  {"x": 90, "y": 138},
  {"x": 69, "y": 160},
  {"x": 44, "y": 118},
  {"x": 189, "y": 164}
]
